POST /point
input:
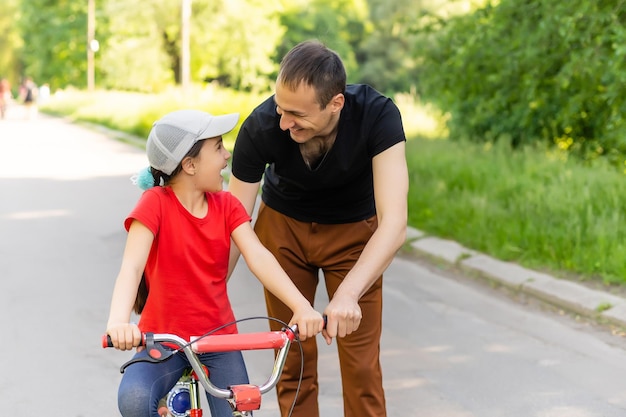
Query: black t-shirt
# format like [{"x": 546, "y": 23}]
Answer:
[{"x": 340, "y": 189}]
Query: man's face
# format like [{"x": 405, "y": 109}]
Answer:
[{"x": 300, "y": 113}]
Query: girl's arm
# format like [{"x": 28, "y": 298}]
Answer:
[
  {"x": 125, "y": 335},
  {"x": 267, "y": 269}
]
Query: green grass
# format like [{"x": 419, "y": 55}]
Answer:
[
  {"x": 533, "y": 207},
  {"x": 136, "y": 112}
]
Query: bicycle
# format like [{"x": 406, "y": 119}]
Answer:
[{"x": 184, "y": 398}]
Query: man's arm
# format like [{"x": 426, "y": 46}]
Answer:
[
  {"x": 391, "y": 185},
  {"x": 247, "y": 193}
]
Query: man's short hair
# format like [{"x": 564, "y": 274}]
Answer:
[{"x": 312, "y": 63}]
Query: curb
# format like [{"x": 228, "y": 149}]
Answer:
[{"x": 567, "y": 295}]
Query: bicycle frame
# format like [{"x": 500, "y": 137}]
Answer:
[{"x": 243, "y": 398}]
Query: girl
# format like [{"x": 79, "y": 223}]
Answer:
[{"x": 175, "y": 263}]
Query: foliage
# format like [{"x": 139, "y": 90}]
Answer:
[
  {"x": 340, "y": 24},
  {"x": 532, "y": 207},
  {"x": 133, "y": 53},
  {"x": 237, "y": 50},
  {"x": 234, "y": 43},
  {"x": 533, "y": 70},
  {"x": 386, "y": 64},
  {"x": 390, "y": 58},
  {"x": 54, "y": 41},
  {"x": 420, "y": 119},
  {"x": 10, "y": 42}
]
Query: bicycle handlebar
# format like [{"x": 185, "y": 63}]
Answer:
[{"x": 280, "y": 340}]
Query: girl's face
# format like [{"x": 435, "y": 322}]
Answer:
[{"x": 209, "y": 164}]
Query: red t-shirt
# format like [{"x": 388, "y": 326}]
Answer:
[{"x": 188, "y": 262}]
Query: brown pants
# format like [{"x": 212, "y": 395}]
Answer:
[{"x": 303, "y": 249}]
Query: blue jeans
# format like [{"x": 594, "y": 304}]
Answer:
[{"x": 144, "y": 384}]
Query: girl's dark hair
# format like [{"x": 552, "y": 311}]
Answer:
[
  {"x": 312, "y": 63},
  {"x": 142, "y": 295},
  {"x": 159, "y": 176},
  {"x": 142, "y": 291},
  {"x": 162, "y": 178}
]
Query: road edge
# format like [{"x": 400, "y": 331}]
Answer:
[{"x": 600, "y": 306}]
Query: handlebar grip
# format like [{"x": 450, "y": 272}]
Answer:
[{"x": 107, "y": 343}]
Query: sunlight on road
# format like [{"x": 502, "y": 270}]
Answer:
[
  {"x": 26, "y": 151},
  {"x": 27, "y": 215},
  {"x": 566, "y": 412}
]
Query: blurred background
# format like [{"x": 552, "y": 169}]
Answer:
[{"x": 514, "y": 109}]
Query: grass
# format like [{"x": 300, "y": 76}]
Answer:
[
  {"x": 534, "y": 207},
  {"x": 135, "y": 113},
  {"x": 531, "y": 206}
]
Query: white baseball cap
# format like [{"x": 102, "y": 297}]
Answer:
[{"x": 172, "y": 136}]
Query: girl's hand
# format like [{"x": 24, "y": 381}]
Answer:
[
  {"x": 124, "y": 336},
  {"x": 309, "y": 321}
]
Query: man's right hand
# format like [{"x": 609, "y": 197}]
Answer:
[{"x": 343, "y": 316}]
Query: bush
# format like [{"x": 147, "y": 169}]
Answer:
[
  {"x": 539, "y": 209},
  {"x": 534, "y": 70}
]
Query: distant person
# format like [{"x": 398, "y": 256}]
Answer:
[
  {"x": 5, "y": 96},
  {"x": 28, "y": 96}
]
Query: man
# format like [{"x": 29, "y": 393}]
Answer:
[{"x": 334, "y": 198}]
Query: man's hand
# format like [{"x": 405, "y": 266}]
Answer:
[{"x": 343, "y": 315}]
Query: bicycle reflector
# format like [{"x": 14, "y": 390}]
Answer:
[{"x": 179, "y": 400}]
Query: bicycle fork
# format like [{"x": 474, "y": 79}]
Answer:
[
  {"x": 184, "y": 400},
  {"x": 194, "y": 391}
]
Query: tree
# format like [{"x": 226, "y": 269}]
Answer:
[
  {"x": 387, "y": 58},
  {"x": 237, "y": 50},
  {"x": 54, "y": 41},
  {"x": 532, "y": 71},
  {"x": 391, "y": 55},
  {"x": 340, "y": 24},
  {"x": 231, "y": 42},
  {"x": 134, "y": 54},
  {"x": 10, "y": 42}
]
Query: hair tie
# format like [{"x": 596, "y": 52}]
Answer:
[{"x": 143, "y": 179}]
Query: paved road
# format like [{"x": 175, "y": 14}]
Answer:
[{"x": 449, "y": 349}]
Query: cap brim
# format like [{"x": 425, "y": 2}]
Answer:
[{"x": 219, "y": 126}]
